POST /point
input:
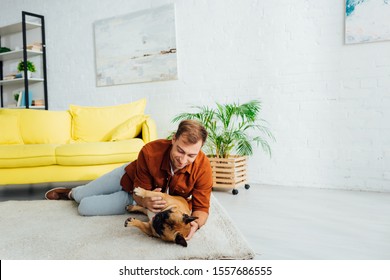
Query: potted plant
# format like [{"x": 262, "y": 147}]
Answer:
[
  {"x": 30, "y": 67},
  {"x": 233, "y": 129},
  {"x": 16, "y": 97}
]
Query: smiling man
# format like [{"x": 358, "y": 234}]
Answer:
[{"x": 177, "y": 167}]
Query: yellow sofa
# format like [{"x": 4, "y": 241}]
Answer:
[{"x": 79, "y": 144}]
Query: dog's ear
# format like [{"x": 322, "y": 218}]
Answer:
[
  {"x": 179, "y": 239},
  {"x": 188, "y": 219}
]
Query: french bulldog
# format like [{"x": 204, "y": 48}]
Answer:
[{"x": 171, "y": 224}]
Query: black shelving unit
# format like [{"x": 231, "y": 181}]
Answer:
[{"x": 23, "y": 27}]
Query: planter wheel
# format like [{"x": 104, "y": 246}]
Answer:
[
  {"x": 247, "y": 186},
  {"x": 234, "y": 191}
]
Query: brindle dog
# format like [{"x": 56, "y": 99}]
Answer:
[{"x": 171, "y": 224}]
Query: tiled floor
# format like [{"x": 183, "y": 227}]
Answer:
[{"x": 295, "y": 223}]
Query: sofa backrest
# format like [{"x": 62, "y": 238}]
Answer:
[
  {"x": 79, "y": 123},
  {"x": 40, "y": 126}
]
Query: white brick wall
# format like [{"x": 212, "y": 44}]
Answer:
[{"x": 327, "y": 103}]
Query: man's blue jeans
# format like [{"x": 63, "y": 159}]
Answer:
[{"x": 103, "y": 196}]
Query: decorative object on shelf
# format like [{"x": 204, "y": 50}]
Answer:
[
  {"x": 16, "y": 97},
  {"x": 23, "y": 99},
  {"x": 36, "y": 46},
  {"x": 4, "y": 49},
  {"x": 38, "y": 102},
  {"x": 10, "y": 77},
  {"x": 30, "y": 67},
  {"x": 230, "y": 128},
  {"x": 149, "y": 56},
  {"x": 18, "y": 104},
  {"x": 366, "y": 21}
]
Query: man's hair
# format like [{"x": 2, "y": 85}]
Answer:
[{"x": 192, "y": 130}]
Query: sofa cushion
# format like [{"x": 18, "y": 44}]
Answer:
[
  {"x": 42, "y": 127},
  {"x": 128, "y": 129},
  {"x": 45, "y": 127},
  {"x": 12, "y": 156},
  {"x": 95, "y": 124},
  {"x": 95, "y": 153},
  {"x": 9, "y": 125},
  {"x": 149, "y": 130}
]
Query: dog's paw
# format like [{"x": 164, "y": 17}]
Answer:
[
  {"x": 129, "y": 222},
  {"x": 139, "y": 192},
  {"x": 129, "y": 208}
]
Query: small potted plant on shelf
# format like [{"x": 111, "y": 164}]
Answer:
[
  {"x": 30, "y": 67},
  {"x": 230, "y": 140},
  {"x": 16, "y": 97},
  {"x": 4, "y": 49}
]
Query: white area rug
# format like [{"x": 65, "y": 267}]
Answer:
[{"x": 54, "y": 230}]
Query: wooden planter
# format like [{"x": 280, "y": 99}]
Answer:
[{"x": 229, "y": 172}]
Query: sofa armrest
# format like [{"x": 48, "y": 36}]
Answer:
[{"x": 149, "y": 130}]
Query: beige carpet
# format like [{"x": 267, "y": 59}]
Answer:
[{"x": 44, "y": 230}]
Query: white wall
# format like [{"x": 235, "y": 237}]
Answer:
[{"x": 327, "y": 103}]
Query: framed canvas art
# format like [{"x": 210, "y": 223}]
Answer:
[
  {"x": 367, "y": 21},
  {"x": 137, "y": 47}
]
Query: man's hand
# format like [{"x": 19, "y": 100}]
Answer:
[
  {"x": 195, "y": 225},
  {"x": 154, "y": 204},
  {"x": 194, "y": 228}
]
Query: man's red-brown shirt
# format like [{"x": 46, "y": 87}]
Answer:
[{"x": 152, "y": 170}]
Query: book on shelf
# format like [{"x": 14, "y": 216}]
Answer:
[
  {"x": 38, "y": 102},
  {"x": 9, "y": 77},
  {"x": 19, "y": 99},
  {"x": 23, "y": 99},
  {"x": 35, "y": 47}
]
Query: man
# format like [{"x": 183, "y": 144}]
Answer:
[{"x": 177, "y": 167}]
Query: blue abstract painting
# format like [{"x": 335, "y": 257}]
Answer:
[
  {"x": 137, "y": 47},
  {"x": 367, "y": 21}
]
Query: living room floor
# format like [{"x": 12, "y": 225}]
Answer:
[{"x": 294, "y": 223}]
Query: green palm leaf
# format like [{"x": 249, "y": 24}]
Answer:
[{"x": 229, "y": 127}]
